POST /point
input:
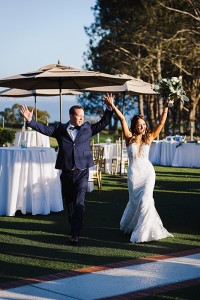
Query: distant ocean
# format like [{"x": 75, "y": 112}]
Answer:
[{"x": 49, "y": 104}]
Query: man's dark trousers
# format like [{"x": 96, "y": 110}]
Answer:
[{"x": 74, "y": 187}]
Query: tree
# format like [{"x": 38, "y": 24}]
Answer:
[
  {"x": 93, "y": 105},
  {"x": 6, "y": 136},
  {"x": 149, "y": 40},
  {"x": 13, "y": 116}
]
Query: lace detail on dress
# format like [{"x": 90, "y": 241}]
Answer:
[
  {"x": 140, "y": 217},
  {"x": 133, "y": 151}
]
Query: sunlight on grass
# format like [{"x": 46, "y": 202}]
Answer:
[
  {"x": 33, "y": 246},
  {"x": 178, "y": 191},
  {"x": 23, "y": 219}
]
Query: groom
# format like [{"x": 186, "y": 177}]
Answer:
[{"x": 74, "y": 158}]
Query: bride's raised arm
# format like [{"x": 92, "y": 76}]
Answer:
[
  {"x": 159, "y": 127},
  {"x": 109, "y": 101}
]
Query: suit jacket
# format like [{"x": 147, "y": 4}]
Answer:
[{"x": 71, "y": 152}]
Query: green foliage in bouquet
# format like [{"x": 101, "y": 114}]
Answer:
[
  {"x": 6, "y": 136},
  {"x": 171, "y": 88}
]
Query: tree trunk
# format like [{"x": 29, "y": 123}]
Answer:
[
  {"x": 141, "y": 105},
  {"x": 181, "y": 129},
  {"x": 151, "y": 113},
  {"x": 192, "y": 115}
]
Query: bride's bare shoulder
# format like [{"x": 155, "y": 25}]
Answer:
[{"x": 130, "y": 141}]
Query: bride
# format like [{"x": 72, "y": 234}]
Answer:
[{"x": 140, "y": 218}]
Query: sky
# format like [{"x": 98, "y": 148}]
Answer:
[{"x": 35, "y": 33}]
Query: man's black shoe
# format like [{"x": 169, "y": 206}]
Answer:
[{"x": 74, "y": 240}]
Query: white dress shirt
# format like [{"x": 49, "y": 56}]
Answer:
[{"x": 72, "y": 132}]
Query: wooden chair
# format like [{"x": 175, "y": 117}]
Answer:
[
  {"x": 117, "y": 158},
  {"x": 126, "y": 164},
  {"x": 102, "y": 160},
  {"x": 120, "y": 158},
  {"x": 98, "y": 156},
  {"x": 96, "y": 174},
  {"x": 125, "y": 160},
  {"x": 92, "y": 144},
  {"x": 96, "y": 153}
]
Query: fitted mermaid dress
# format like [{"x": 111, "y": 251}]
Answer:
[{"x": 140, "y": 217}]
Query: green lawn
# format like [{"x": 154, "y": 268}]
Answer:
[{"x": 32, "y": 246}]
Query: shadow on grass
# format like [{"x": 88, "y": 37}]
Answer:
[{"x": 33, "y": 246}]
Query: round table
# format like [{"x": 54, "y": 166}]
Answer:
[
  {"x": 187, "y": 155},
  {"x": 33, "y": 139},
  {"x": 29, "y": 181}
]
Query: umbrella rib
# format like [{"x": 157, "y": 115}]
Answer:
[{"x": 76, "y": 85}]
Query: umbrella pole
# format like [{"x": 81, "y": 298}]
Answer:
[
  {"x": 36, "y": 119},
  {"x": 35, "y": 109},
  {"x": 60, "y": 84},
  {"x": 122, "y": 135}
]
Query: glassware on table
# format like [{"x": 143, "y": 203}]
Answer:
[
  {"x": 23, "y": 144},
  {"x": 108, "y": 141}
]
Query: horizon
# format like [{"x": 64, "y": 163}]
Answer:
[{"x": 52, "y": 106}]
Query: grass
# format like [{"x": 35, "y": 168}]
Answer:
[{"x": 33, "y": 246}]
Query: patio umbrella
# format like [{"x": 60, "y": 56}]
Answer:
[
  {"x": 134, "y": 86},
  {"x": 25, "y": 93},
  {"x": 58, "y": 76}
]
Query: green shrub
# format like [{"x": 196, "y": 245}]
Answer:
[{"x": 6, "y": 136}]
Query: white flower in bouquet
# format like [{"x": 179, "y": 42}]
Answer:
[{"x": 172, "y": 89}]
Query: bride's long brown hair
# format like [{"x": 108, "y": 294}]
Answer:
[{"x": 145, "y": 137}]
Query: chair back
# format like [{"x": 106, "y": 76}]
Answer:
[
  {"x": 92, "y": 144},
  {"x": 97, "y": 152},
  {"x": 118, "y": 149},
  {"x": 101, "y": 158}
]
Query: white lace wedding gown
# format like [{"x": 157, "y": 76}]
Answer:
[{"x": 140, "y": 217}]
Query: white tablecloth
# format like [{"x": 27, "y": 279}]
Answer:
[
  {"x": 110, "y": 152},
  {"x": 155, "y": 153},
  {"x": 167, "y": 153},
  {"x": 33, "y": 138},
  {"x": 175, "y": 154},
  {"x": 29, "y": 181},
  {"x": 164, "y": 154},
  {"x": 187, "y": 155}
]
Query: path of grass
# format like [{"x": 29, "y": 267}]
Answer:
[{"x": 33, "y": 246}]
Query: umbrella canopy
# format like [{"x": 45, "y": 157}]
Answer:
[
  {"x": 134, "y": 86},
  {"x": 25, "y": 93},
  {"x": 58, "y": 76}
]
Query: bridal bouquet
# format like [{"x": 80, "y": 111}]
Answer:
[{"x": 171, "y": 88}]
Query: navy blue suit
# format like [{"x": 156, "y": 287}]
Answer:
[{"x": 74, "y": 154}]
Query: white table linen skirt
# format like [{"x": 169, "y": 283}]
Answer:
[
  {"x": 187, "y": 155},
  {"x": 164, "y": 154},
  {"x": 155, "y": 152},
  {"x": 167, "y": 153},
  {"x": 29, "y": 181},
  {"x": 33, "y": 139},
  {"x": 110, "y": 152}
]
